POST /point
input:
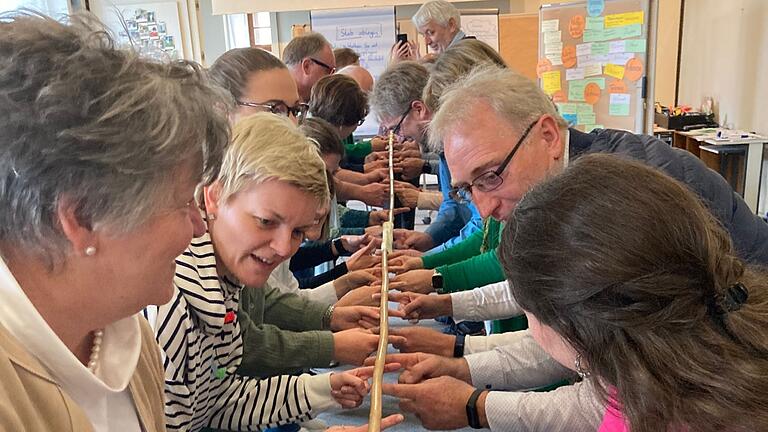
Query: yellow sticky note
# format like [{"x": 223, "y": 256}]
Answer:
[
  {"x": 550, "y": 81},
  {"x": 615, "y": 71},
  {"x": 623, "y": 19}
]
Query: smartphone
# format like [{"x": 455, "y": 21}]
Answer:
[{"x": 402, "y": 37}]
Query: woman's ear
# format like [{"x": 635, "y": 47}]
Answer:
[
  {"x": 211, "y": 195},
  {"x": 80, "y": 233}
]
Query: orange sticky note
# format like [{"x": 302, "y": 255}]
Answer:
[
  {"x": 613, "y": 70},
  {"x": 569, "y": 56},
  {"x": 544, "y": 65},
  {"x": 591, "y": 93},
  {"x": 634, "y": 69},
  {"x": 617, "y": 86},
  {"x": 576, "y": 26},
  {"x": 559, "y": 97}
]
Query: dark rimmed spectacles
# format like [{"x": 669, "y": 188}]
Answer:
[
  {"x": 327, "y": 67},
  {"x": 280, "y": 108},
  {"x": 489, "y": 180}
]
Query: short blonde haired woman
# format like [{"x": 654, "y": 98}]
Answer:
[{"x": 270, "y": 192}]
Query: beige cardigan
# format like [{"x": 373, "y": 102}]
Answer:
[{"x": 31, "y": 400}]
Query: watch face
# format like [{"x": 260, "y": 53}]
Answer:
[{"x": 437, "y": 281}]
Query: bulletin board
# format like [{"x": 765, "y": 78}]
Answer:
[
  {"x": 593, "y": 58},
  {"x": 518, "y": 38}
]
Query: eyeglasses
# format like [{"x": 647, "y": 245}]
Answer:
[
  {"x": 489, "y": 180},
  {"x": 280, "y": 108},
  {"x": 329, "y": 68}
]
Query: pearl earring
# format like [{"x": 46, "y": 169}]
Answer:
[
  {"x": 90, "y": 250},
  {"x": 211, "y": 216}
]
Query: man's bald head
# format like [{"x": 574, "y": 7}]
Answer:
[{"x": 358, "y": 73}]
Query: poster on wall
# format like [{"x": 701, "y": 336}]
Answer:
[
  {"x": 483, "y": 27},
  {"x": 151, "y": 28}
]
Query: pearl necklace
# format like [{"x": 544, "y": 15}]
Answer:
[{"x": 93, "y": 361}]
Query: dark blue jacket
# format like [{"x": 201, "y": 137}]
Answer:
[{"x": 748, "y": 231}]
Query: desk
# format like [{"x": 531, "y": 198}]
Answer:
[
  {"x": 691, "y": 140},
  {"x": 754, "y": 145}
]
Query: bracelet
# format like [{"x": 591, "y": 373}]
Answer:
[
  {"x": 472, "y": 416},
  {"x": 327, "y": 317},
  {"x": 458, "y": 346}
]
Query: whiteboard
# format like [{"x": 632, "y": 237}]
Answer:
[
  {"x": 370, "y": 32},
  {"x": 483, "y": 27}
]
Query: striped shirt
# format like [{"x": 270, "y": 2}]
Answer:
[{"x": 199, "y": 336}]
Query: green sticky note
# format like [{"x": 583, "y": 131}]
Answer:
[
  {"x": 588, "y": 127},
  {"x": 576, "y": 90},
  {"x": 600, "y": 48},
  {"x": 635, "y": 45},
  {"x": 618, "y": 109},
  {"x": 595, "y": 23},
  {"x": 593, "y": 35},
  {"x": 632, "y": 30},
  {"x": 570, "y": 108},
  {"x": 585, "y": 118},
  {"x": 584, "y": 108},
  {"x": 599, "y": 81}
]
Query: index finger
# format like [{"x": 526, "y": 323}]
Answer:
[
  {"x": 404, "y": 391},
  {"x": 405, "y": 360}
]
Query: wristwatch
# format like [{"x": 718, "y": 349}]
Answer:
[
  {"x": 437, "y": 281},
  {"x": 458, "y": 346},
  {"x": 339, "y": 246},
  {"x": 473, "y": 418}
]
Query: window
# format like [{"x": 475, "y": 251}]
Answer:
[
  {"x": 249, "y": 30},
  {"x": 52, "y": 8}
]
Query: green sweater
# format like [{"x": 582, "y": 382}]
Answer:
[
  {"x": 282, "y": 333},
  {"x": 474, "y": 263},
  {"x": 470, "y": 263},
  {"x": 356, "y": 151}
]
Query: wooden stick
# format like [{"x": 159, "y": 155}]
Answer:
[{"x": 374, "y": 417}]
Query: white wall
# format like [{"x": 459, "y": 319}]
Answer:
[{"x": 725, "y": 56}]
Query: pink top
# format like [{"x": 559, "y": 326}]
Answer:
[{"x": 613, "y": 420}]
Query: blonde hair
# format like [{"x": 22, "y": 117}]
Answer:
[
  {"x": 513, "y": 97},
  {"x": 267, "y": 147}
]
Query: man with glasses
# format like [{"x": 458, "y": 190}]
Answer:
[
  {"x": 309, "y": 57},
  {"x": 502, "y": 135}
]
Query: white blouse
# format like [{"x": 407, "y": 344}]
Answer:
[{"x": 104, "y": 397}]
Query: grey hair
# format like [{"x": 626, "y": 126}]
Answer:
[
  {"x": 438, "y": 11},
  {"x": 302, "y": 47},
  {"x": 454, "y": 63},
  {"x": 99, "y": 127},
  {"x": 513, "y": 97},
  {"x": 397, "y": 87}
]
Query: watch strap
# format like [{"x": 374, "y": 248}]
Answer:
[
  {"x": 458, "y": 346},
  {"x": 473, "y": 418}
]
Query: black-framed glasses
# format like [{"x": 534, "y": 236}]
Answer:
[
  {"x": 327, "y": 67},
  {"x": 490, "y": 180},
  {"x": 280, "y": 108}
]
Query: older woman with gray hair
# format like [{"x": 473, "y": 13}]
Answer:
[{"x": 100, "y": 155}]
